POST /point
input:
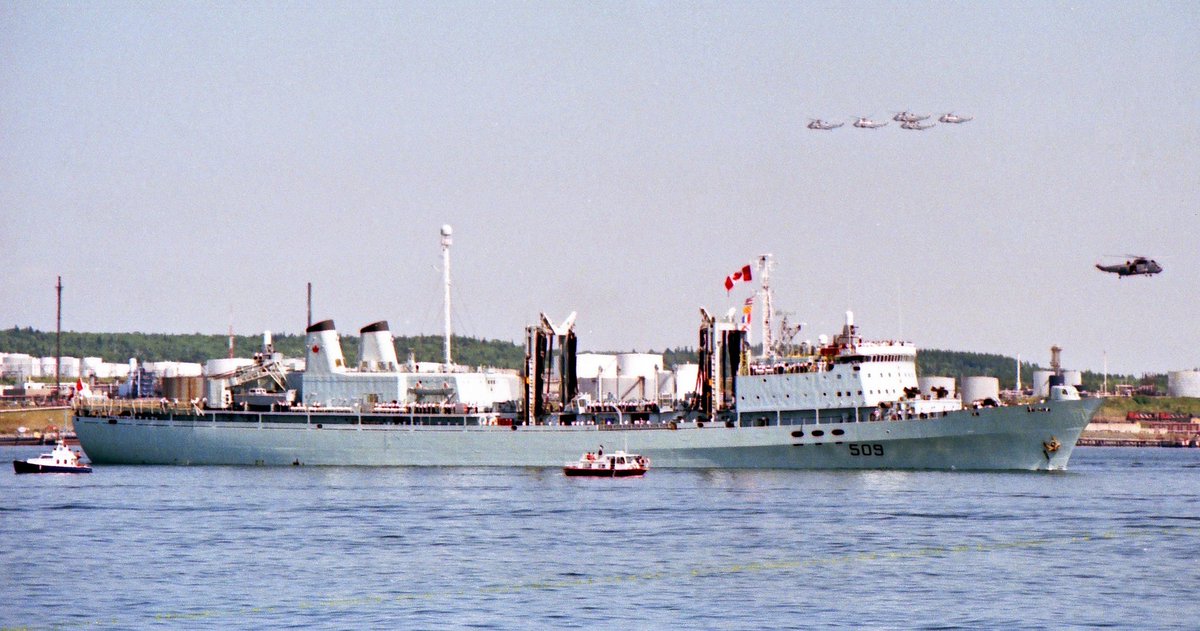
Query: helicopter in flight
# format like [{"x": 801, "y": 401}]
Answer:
[
  {"x": 1135, "y": 266},
  {"x": 951, "y": 117},
  {"x": 909, "y": 117},
  {"x": 865, "y": 123},
  {"x": 914, "y": 125},
  {"x": 817, "y": 123}
]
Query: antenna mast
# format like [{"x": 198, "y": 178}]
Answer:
[
  {"x": 58, "y": 341},
  {"x": 309, "y": 306},
  {"x": 446, "y": 241},
  {"x": 765, "y": 265}
]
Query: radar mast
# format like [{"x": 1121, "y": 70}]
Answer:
[
  {"x": 765, "y": 265},
  {"x": 446, "y": 241}
]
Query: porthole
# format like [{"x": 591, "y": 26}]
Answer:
[
  {"x": 838, "y": 432},
  {"x": 818, "y": 432},
  {"x": 798, "y": 434}
]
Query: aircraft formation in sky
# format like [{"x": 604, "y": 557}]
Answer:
[{"x": 907, "y": 120}]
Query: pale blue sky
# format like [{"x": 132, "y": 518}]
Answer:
[{"x": 176, "y": 162}]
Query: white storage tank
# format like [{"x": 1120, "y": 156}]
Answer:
[
  {"x": 928, "y": 384},
  {"x": 70, "y": 367},
  {"x": 92, "y": 366},
  {"x": 1073, "y": 378},
  {"x": 216, "y": 393},
  {"x": 1041, "y": 382},
  {"x": 666, "y": 384},
  {"x": 188, "y": 369},
  {"x": 1184, "y": 383},
  {"x": 18, "y": 363},
  {"x": 591, "y": 365},
  {"x": 645, "y": 365},
  {"x": 980, "y": 388},
  {"x": 224, "y": 365},
  {"x": 685, "y": 380}
]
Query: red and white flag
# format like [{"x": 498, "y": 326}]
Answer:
[{"x": 740, "y": 276}]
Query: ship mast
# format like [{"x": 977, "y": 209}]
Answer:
[
  {"x": 765, "y": 264},
  {"x": 58, "y": 341},
  {"x": 446, "y": 241}
]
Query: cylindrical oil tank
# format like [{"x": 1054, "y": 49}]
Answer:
[
  {"x": 69, "y": 367},
  {"x": 927, "y": 385},
  {"x": 1073, "y": 378},
  {"x": 980, "y": 388},
  {"x": 686, "y": 376},
  {"x": 1041, "y": 382},
  {"x": 636, "y": 365},
  {"x": 1183, "y": 383},
  {"x": 666, "y": 384},
  {"x": 92, "y": 366},
  {"x": 224, "y": 365},
  {"x": 18, "y": 363},
  {"x": 216, "y": 393},
  {"x": 183, "y": 388},
  {"x": 188, "y": 369},
  {"x": 590, "y": 365}
]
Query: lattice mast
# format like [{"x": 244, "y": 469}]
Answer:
[{"x": 765, "y": 265}]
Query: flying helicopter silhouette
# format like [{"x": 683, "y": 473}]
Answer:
[
  {"x": 951, "y": 117},
  {"x": 909, "y": 117},
  {"x": 822, "y": 125},
  {"x": 864, "y": 122},
  {"x": 1133, "y": 266}
]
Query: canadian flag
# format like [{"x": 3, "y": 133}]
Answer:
[{"x": 741, "y": 276}]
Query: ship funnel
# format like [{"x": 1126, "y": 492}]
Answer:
[
  {"x": 324, "y": 352},
  {"x": 377, "y": 349}
]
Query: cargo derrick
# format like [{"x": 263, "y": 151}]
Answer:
[{"x": 549, "y": 373}]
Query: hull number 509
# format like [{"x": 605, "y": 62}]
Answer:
[{"x": 866, "y": 449}]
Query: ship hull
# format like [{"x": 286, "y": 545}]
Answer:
[
  {"x": 23, "y": 466},
  {"x": 1041, "y": 437}
]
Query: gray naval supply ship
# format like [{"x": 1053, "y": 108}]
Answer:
[{"x": 844, "y": 402}]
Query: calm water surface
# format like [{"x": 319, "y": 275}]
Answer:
[{"x": 1115, "y": 542}]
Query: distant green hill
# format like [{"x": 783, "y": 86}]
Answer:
[{"x": 196, "y": 347}]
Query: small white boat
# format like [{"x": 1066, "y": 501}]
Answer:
[
  {"x": 618, "y": 464},
  {"x": 61, "y": 460}
]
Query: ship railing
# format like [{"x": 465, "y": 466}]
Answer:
[
  {"x": 788, "y": 368},
  {"x": 137, "y": 407}
]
